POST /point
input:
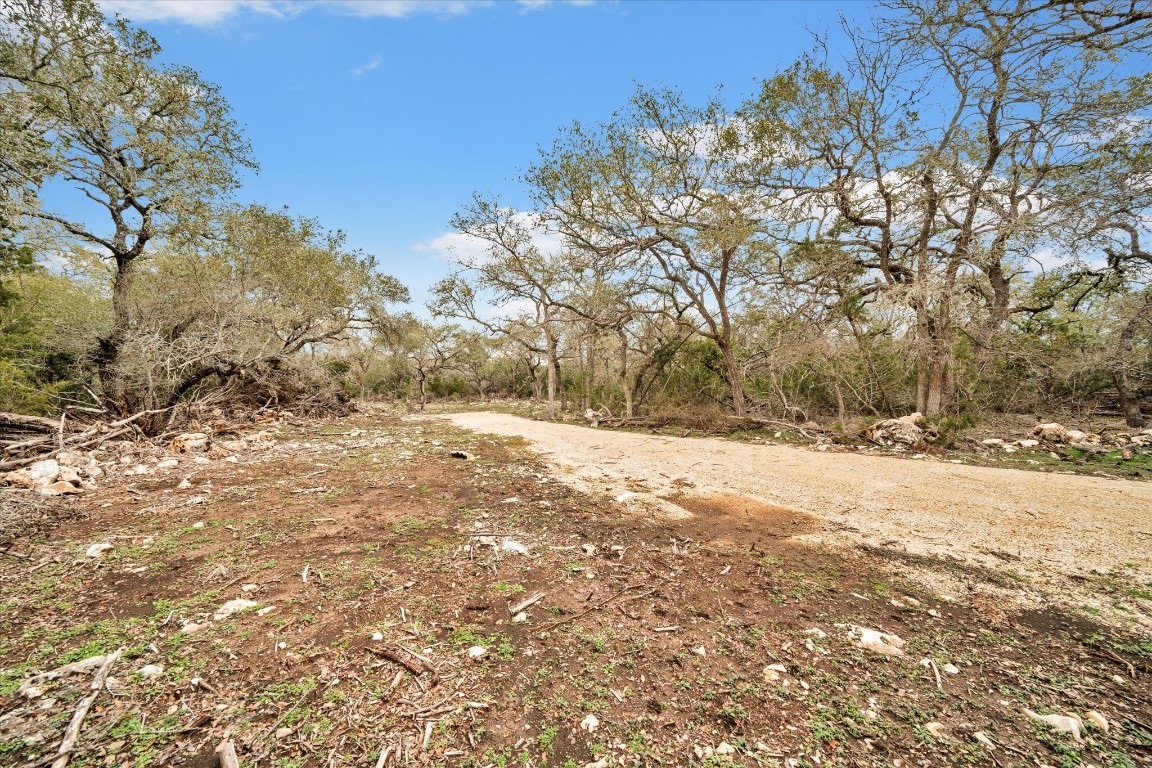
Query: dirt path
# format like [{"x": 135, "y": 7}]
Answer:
[{"x": 1035, "y": 522}]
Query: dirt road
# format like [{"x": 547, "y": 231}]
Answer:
[{"x": 1031, "y": 521}]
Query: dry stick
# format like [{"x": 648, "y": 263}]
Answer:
[
  {"x": 515, "y": 609},
  {"x": 228, "y": 757},
  {"x": 14, "y": 463},
  {"x": 73, "y": 731},
  {"x": 396, "y": 658},
  {"x": 598, "y": 606}
]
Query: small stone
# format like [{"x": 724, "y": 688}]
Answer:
[
  {"x": 233, "y": 607},
  {"x": 377, "y": 636},
  {"x": 199, "y": 525},
  {"x": 168, "y": 464},
  {"x": 511, "y": 545},
  {"x": 476, "y": 651},
  {"x": 283, "y": 732},
  {"x": 98, "y": 549},
  {"x": 151, "y": 670},
  {"x": 588, "y": 549},
  {"x": 700, "y": 650},
  {"x": 772, "y": 672},
  {"x": 590, "y": 723},
  {"x": 249, "y": 588},
  {"x": 725, "y": 749},
  {"x": 520, "y": 618},
  {"x": 951, "y": 669},
  {"x": 876, "y": 641},
  {"x": 184, "y": 484},
  {"x": 190, "y": 442},
  {"x": 59, "y": 488},
  {"x": 191, "y": 628}
]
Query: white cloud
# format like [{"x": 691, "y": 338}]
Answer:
[
  {"x": 535, "y": 5},
  {"x": 375, "y": 63},
  {"x": 201, "y": 13},
  {"x": 206, "y": 13},
  {"x": 398, "y": 9},
  {"x": 461, "y": 249},
  {"x": 455, "y": 248}
]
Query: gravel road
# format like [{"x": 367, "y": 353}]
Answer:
[{"x": 1030, "y": 521}]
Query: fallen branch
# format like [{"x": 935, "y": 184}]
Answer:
[
  {"x": 86, "y": 665},
  {"x": 228, "y": 757},
  {"x": 515, "y": 609},
  {"x": 395, "y": 658},
  {"x": 23, "y": 462},
  {"x": 72, "y": 733},
  {"x": 598, "y": 606}
]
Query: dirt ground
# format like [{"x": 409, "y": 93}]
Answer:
[
  {"x": 1041, "y": 526},
  {"x": 719, "y": 625}
]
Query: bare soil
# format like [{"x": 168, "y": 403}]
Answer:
[
  {"x": 707, "y": 622},
  {"x": 1053, "y": 531}
]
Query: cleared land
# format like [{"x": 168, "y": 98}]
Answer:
[
  {"x": 1036, "y": 521},
  {"x": 709, "y": 630}
]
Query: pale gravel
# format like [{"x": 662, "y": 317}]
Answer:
[{"x": 1033, "y": 522}]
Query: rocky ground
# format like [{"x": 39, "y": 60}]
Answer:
[{"x": 352, "y": 593}]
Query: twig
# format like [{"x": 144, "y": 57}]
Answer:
[
  {"x": 395, "y": 658},
  {"x": 64, "y": 753},
  {"x": 515, "y": 609},
  {"x": 598, "y": 606}
]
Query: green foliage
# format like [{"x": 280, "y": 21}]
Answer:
[{"x": 48, "y": 328}]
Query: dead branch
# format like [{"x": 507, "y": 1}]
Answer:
[
  {"x": 64, "y": 753},
  {"x": 228, "y": 758},
  {"x": 598, "y": 606},
  {"x": 395, "y": 658}
]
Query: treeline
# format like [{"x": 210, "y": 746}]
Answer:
[{"x": 945, "y": 212}]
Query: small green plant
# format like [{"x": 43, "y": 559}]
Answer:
[{"x": 547, "y": 739}]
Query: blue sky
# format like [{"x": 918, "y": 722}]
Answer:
[{"x": 381, "y": 118}]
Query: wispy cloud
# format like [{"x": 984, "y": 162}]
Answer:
[
  {"x": 206, "y": 13},
  {"x": 398, "y": 9},
  {"x": 200, "y": 13},
  {"x": 375, "y": 63}
]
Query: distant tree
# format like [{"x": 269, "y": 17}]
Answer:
[
  {"x": 512, "y": 285},
  {"x": 654, "y": 191}
]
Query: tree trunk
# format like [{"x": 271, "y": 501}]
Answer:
[
  {"x": 550, "y": 351},
  {"x": 625, "y": 384},
  {"x": 108, "y": 352},
  {"x": 735, "y": 378},
  {"x": 1129, "y": 403}
]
